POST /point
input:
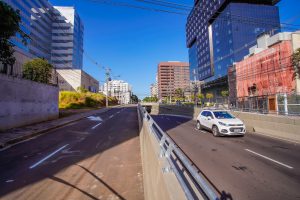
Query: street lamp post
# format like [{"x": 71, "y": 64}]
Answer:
[{"x": 107, "y": 73}]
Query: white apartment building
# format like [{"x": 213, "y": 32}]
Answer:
[
  {"x": 119, "y": 89},
  {"x": 154, "y": 90}
]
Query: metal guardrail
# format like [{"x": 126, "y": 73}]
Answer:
[{"x": 186, "y": 173}]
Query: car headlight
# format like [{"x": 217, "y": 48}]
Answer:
[{"x": 222, "y": 124}]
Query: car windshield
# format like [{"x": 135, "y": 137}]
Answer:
[{"x": 223, "y": 115}]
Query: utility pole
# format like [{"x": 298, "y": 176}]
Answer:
[{"x": 107, "y": 75}]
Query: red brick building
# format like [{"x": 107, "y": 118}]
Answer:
[{"x": 171, "y": 76}]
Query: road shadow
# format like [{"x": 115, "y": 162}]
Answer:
[
  {"x": 104, "y": 183},
  {"x": 15, "y": 161}
]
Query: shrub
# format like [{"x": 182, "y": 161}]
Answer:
[
  {"x": 38, "y": 70},
  {"x": 90, "y": 102},
  {"x": 76, "y": 100}
]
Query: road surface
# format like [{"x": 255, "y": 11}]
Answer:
[
  {"x": 94, "y": 158},
  {"x": 250, "y": 167}
]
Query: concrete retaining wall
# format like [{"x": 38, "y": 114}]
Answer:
[
  {"x": 283, "y": 127},
  {"x": 24, "y": 102},
  {"x": 157, "y": 185}
]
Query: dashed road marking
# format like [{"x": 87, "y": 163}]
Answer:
[
  {"x": 47, "y": 157},
  {"x": 270, "y": 159},
  {"x": 96, "y": 125}
]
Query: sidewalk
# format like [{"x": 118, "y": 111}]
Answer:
[{"x": 16, "y": 135}]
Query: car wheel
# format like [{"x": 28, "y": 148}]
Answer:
[
  {"x": 215, "y": 131},
  {"x": 198, "y": 126}
]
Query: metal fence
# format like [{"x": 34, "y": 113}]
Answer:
[
  {"x": 188, "y": 175},
  {"x": 18, "y": 73},
  {"x": 252, "y": 104},
  {"x": 280, "y": 104}
]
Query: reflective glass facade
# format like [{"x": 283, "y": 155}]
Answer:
[
  {"x": 67, "y": 38},
  {"x": 193, "y": 62},
  {"x": 47, "y": 29},
  {"x": 232, "y": 37},
  {"x": 36, "y": 19},
  {"x": 216, "y": 39}
]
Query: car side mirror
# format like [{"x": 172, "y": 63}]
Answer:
[{"x": 209, "y": 117}]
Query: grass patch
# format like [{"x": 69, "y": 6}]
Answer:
[{"x": 79, "y": 100}]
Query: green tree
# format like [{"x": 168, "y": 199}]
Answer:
[
  {"x": 192, "y": 97},
  {"x": 296, "y": 63},
  {"x": 178, "y": 93},
  {"x": 200, "y": 96},
  {"x": 9, "y": 25},
  {"x": 150, "y": 99},
  {"x": 38, "y": 70},
  {"x": 134, "y": 98},
  {"x": 224, "y": 93},
  {"x": 209, "y": 96},
  {"x": 81, "y": 89}
]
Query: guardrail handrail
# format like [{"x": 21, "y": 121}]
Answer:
[{"x": 168, "y": 148}]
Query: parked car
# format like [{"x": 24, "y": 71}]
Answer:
[{"x": 220, "y": 122}]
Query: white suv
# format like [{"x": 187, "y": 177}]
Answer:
[{"x": 220, "y": 122}]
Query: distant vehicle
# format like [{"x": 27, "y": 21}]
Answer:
[{"x": 220, "y": 122}]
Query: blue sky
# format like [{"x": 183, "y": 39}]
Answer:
[{"x": 132, "y": 42}]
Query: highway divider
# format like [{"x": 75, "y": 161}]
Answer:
[{"x": 167, "y": 172}]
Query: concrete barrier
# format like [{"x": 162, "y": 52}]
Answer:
[
  {"x": 283, "y": 127},
  {"x": 26, "y": 102},
  {"x": 157, "y": 183}
]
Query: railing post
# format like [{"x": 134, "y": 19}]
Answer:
[{"x": 285, "y": 102}]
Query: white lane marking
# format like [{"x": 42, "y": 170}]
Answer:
[
  {"x": 111, "y": 116},
  {"x": 96, "y": 125},
  {"x": 50, "y": 155},
  {"x": 9, "y": 181},
  {"x": 270, "y": 159},
  {"x": 93, "y": 118}
]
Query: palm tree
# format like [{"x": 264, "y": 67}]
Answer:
[{"x": 209, "y": 96}]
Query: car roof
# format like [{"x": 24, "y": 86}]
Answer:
[{"x": 214, "y": 110}]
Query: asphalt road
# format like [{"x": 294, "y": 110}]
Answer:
[
  {"x": 92, "y": 158},
  {"x": 250, "y": 167}
]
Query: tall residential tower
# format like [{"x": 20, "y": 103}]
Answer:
[{"x": 172, "y": 76}]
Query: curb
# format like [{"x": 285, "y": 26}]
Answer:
[{"x": 33, "y": 134}]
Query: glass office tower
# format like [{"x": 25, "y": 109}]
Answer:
[
  {"x": 219, "y": 31},
  {"x": 36, "y": 19},
  {"x": 56, "y": 34},
  {"x": 67, "y": 38}
]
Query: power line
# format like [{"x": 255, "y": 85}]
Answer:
[
  {"x": 122, "y": 4},
  {"x": 184, "y": 7},
  {"x": 161, "y": 3}
]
